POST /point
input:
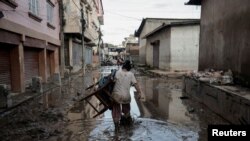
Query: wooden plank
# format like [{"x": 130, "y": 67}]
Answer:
[
  {"x": 102, "y": 111},
  {"x": 92, "y": 106}
]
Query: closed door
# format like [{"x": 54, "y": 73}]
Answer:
[
  {"x": 31, "y": 64},
  {"x": 49, "y": 64},
  {"x": 156, "y": 54},
  {"x": 5, "y": 75}
]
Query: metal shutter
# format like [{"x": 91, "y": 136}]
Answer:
[
  {"x": 77, "y": 54},
  {"x": 5, "y": 77},
  {"x": 88, "y": 55},
  {"x": 48, "y": 64},
  {"x": 31, "y": 64}
]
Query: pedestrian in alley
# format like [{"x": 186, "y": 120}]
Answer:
[
  {"x": 120, "y": 61},
  {"x": 124, "y": 79}
]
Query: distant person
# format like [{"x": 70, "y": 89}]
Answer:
[
  {"x": 124, "y": 79},
  {"x": 120, "y": 61}
]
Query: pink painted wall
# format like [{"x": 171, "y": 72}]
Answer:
[{"x": 20, "y": 16}]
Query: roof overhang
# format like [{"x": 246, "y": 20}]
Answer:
[
  {"x": 173, "y": 24},
  {"x": 90, "y": 44},
  {"x": 193, "y": 2},
  {"x": 138, "y": 32}
]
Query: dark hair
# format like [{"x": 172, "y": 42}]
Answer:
[{"x": 127, "y": 65}]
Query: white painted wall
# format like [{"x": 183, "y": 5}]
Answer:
[
  {"x": 164, "y": 62},
  {"x": 149, "y": 52},
  {"x": 149, "y": 26},
  {"x": 185, "y": 47},
  {"x": 164, "y": 55},
  {"x": 179, "y": 47}
]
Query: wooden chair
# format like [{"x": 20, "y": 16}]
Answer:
[{"x": 103, "y": 94}]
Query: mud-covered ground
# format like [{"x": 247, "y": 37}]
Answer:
[{"x": 166, "y": 114}]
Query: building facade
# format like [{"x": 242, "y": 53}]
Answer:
[
  {"x": 83, "y": 18},
  {"x": 224, "y": 38},
  {"x": 173, "y": 46},
  {"x": 132, "y": 48},
  {"x": 147, "y": 26},
  {"x": 29, "y": 41}
]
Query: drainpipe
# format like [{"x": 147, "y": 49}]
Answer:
[
  {"x": 62, "y": 23},
  {"x": 98, "y": 46},
  {"x": 83, "y": 48}
]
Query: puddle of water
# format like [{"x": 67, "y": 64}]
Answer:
[
  {"x": 162, "y": 116},
  {"x": 143, "y": 129},
  {"x": 163, "y": 100}
]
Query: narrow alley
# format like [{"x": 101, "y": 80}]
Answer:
[
  {"x": 124, "y": 70},
  {"x": 166, "y": 113}
]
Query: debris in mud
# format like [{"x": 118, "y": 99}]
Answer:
[
  {"x": 38, "y": 132},
  {"x": 51, "y": 116},
  {"x": 213, "y": 77},
  {"x": 184, "y": 97},
  {"x": 191, "y": 110}
]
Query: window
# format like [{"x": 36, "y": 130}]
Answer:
[
  {"x": 34, "y": 7},
  {"x": 50, "y": 8}
]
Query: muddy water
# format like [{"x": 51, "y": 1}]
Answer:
[
  {"x": 57, "y": 116},
  {"x": 162, "y": 116}
]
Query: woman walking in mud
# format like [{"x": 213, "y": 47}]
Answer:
[{"x": 124, "y": 79}]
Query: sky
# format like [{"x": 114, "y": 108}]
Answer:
[{"x": 123, "y": 17}]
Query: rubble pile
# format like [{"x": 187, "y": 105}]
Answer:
[{"x": 213, "y": 77}]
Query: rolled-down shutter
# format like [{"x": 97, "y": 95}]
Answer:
[
  {"x": 48, "y": 64},
  {"x": 31, "y": 64},
  {"x": 77, "y": 54},
  {"x": 5, "y": 77},
  {"x": 88, "y": 55}
]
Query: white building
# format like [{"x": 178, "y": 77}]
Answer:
[
  {"x": 147, "y": 26},
  {"x": 173, "y": 46}
]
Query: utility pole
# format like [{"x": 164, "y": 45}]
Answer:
[
  {"x": 99, "y": 46},
  {"x": 62, "y": 22},
  {"x": 83, "y": 48}
]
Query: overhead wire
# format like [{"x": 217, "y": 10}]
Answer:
[{"x": 114, "y": 13}]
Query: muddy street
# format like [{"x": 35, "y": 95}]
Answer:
[{"x": 165, "y": 114}]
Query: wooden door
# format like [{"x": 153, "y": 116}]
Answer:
[{"x": 156, "y": 54}]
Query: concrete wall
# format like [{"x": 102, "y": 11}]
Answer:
[
  {"x": 72, "y": 15},
  {"x": 225, "y": 32},
  {"x": 185, "y": 47},
  {"x": 164, "y": 37},
  {"x": 149, "y": 26},
  {"x": 73, "y": 18},
  {"x": 100, "y": 11},
  {"x": 93, "y": 23},
  {"x": 231, "y": 103}
]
